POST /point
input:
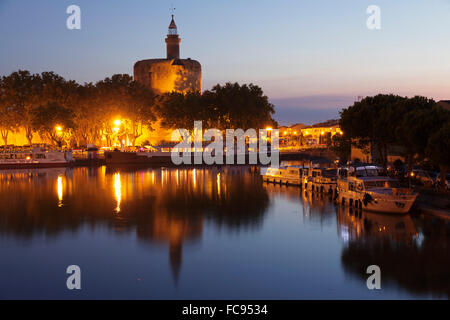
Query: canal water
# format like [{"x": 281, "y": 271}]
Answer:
[{"x": 205, "y": 234}]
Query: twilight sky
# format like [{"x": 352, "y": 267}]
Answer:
[{"x": 311, "y": 57}]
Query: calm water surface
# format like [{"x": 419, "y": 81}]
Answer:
[{"x": 205, "y": 234}]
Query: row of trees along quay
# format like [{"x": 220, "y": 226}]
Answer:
[
  {"x": 65, "y": 113},
  {"x": 418, "y": 125}
]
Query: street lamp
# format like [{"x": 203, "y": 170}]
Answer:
[
  {"x": 59, "y": 135},
  {"x": 117, "y": 124}
]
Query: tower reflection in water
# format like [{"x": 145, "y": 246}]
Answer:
[
  {"x": 175, "y": 208},
  {"x": 165, "y": 206}
]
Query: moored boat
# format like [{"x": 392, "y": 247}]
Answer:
[
  {"x": 366, "y": 187},
  {"x": 117, "y": 158},
  {"x": 38, "y": 157},
  {"x": 290, "y": 175},
  {"x": 322, "y": 180}
]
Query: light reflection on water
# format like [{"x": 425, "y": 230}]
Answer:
[
  {"x": 60, "y": 191},
  {"x": 205, "y": 234},
  {"x": 117, "y": 190}
]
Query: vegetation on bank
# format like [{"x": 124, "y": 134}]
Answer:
[
  {"x": 66, "y": 113},
  {"x": 418, "y": 125}
]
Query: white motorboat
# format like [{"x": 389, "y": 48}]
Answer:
[
  {"x": 290, "y": 175},
  {"x": 366, "y": 187}
]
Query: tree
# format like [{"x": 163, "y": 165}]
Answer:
[
  {"x": 241, "y": 106},
  {"x": 341, "y": 146},
  {"x": 54, "y": 123},
  {"x": 120, "y": 97},
  {"x": 88, "y": 115},
  {"x": 21, "y": 94},
  {"x": 414, "y": 129},
  {"x": 55, "y": 89},
  {"x": 372, "y": 121},
  {"x": 417, "y": 124},
  {"x": 42, "y": 102},
  {"x": 24, "y": 93},
  {"x": 8, "y": 116},
  {"x": 180, "y": 111},
  {"x": 139, "y": 110},
  {"x": 224, "y": 107},
  {"x": 110, "y": 102}
]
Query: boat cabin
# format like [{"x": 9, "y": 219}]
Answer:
[{"x": 360, "y": 171}]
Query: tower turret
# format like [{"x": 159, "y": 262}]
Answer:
[{"x": 173, "y": 41}]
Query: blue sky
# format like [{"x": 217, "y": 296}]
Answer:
[{"x": 310, "y": 57}]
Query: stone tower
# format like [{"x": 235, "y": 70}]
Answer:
[
  {"x": 172, "y": 73},
  {"x": 173, "y": 41}
]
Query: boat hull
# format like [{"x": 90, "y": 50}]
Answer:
[
  {"x": 394, "y": 205},
  {"x": 114, "y": 158},
  {"x": 117, "y": 158},
  {"x": 282, "y": 180},
  {"x": 391, "y": 206},
  {"x": 321, "y": 187},
  {"x": 11, "y": 166}
]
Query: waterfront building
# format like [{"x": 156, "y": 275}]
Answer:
[
  {"x": 319, "y": 135},
  {"x": 310, "y": 136}
]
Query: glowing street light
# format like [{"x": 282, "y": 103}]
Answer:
[
  {"x": 58, "y": 128},
  {"x": 117, "y": 124},
  {"x": 269, "y": 129}
]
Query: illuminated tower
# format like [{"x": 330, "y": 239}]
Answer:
[
  {"x": 172, "y": 73},
  {"x": 173, "y": 41}
]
